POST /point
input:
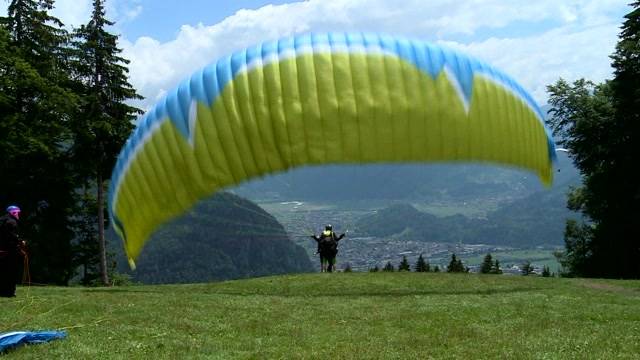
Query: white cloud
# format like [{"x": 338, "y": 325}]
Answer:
[
  {"x": 123, "y": 11},
  {"x": 72, "y": 13},
  {"x": 570, "y": 38},
  {"x": 133, "y": 13},
  {"x": 539, "y": 60},
  {"x": 574, "y": 40}
]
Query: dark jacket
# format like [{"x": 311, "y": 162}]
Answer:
[
  {"x": 328, "y": 244},
  {"x": 9, "y": 239},
  {"x": 10, "y": 252}
]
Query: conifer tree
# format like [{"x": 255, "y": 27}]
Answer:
[
  {"x": 86, "y": 250},
  {"x": 487, "y": 264},
  {"x": 436, "y": 268},
  {"x": 404, "y": 264},
  {"x": 39, "y": 37},
  {"x": 105, "y": 120},
  {"x": 389, "y": 267},
  {"x": 545, "y": 271},
  {"x": 455, "y": 265},
  {"x": 422, "y": 265},
  {"x": 495, "y": 269},
  {"x": 374, "y": 269},
  {"x": 7, "y": 60},
  {"x": 527, "y": 268},
  {"x": 35, "y": 137}
]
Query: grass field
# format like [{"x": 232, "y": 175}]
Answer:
[{"x": 337, "y": 316}]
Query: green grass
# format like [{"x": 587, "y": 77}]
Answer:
[{"x": 320, "y": 316}]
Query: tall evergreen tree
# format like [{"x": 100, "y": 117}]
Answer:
[
  {"x": 105, "y": 120},
  {"x": 495, "y": 269},
  {"x": 600, "y": 125},
  {"x": 527, "y": 268},
  {"x": 34, "y": 135},
  {"x": 422, "y": 265},
  {"x": 455, "y": 265},
  {"x": 404, "y": 264},
  {"x": 86, "y": 252},
  {"x": 8, "y": 60},
  {"x": 388, "y": 267},
  {"x": 39, "y": 37},
  {"x": 487, "y": 264}
]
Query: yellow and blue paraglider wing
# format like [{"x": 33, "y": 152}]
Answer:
[{"x": 318, "y": 99}]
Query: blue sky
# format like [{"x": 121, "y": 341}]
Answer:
[
  {"x": 536, "y": 42},
  {"x": 173, "y": 16}
]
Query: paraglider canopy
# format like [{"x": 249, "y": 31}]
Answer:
[{"x": 318, "y": 99}]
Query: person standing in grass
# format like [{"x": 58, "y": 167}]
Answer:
[
  {"x": 11, "y": 247},
  {"x": 327, "y": 248}
]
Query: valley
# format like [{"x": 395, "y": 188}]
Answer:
[{"x": 361, "y": 253}]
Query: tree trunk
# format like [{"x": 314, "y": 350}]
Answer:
[{"x": 103, "y": 248}]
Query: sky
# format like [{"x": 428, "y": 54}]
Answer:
[{"x": 536, "y": 42}]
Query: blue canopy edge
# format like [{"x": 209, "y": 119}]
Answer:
[{"x": 15, "y": 338}]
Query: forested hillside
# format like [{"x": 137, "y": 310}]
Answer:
[
  {"x": 224, "y": 237},
  {"x": 537, "y": 219}
]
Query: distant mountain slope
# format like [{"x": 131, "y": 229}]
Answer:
[
  {"x": 425, "y": 182},
  {"x": 537, "y": 219},
  {"x": 224, "y": 237},
  {"x": 518, "y": 210}
]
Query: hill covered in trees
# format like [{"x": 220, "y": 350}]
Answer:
[
  {"x": 537, "y": 219},
  {"x": 224, "y": 237}
]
